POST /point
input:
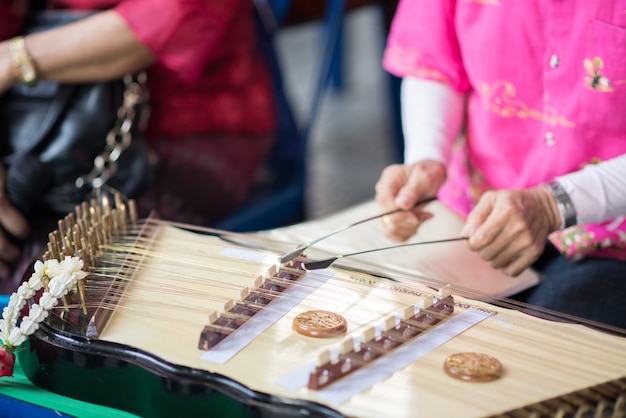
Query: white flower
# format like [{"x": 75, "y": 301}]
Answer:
[
  {"x": 37, "y": 313},
  {"x": 16, "y": 337},
  {"x": 16, "y": 301},
  {"x": 35, "y": 282},
  {"x": 57, "y": 287},
  {"x": 28, "y": 326},
  {"x": 5, "y": 312},
  {"x": 74, "y": 267},
  {"x": 47, "y": 302},
  {"x": 63, "y": 277},
  {"x": 39, "y": 268},
  {"x": 50, "y": 268}
]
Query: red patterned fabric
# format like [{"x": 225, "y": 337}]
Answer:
[{"x": 209, "y": 77}]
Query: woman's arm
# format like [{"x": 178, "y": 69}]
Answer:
[
  {"x": 100, "y": 47},
  {"x": 432, "y": 117}
]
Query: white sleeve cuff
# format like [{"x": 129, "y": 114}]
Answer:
[
  {"x": 432, "y": 117},
  {"x": 598, "y": 191}
]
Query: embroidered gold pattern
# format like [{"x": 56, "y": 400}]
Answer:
[
  {"x": 499, "y": 98},
  {"x": 595, "y": 80},
  {"x": 407, "y": 61},
  {"x": 592, "y": 161}
]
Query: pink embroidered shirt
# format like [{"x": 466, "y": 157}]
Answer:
[{"x": 546, "y": 86}]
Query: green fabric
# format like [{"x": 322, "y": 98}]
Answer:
[{"x": 19, "y": 387}]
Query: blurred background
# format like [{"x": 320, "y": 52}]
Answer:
[{"x": 355, "y": 133}]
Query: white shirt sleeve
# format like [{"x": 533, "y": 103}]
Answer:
[
  {"x": 432, "y": 116},
  {"x": 598, "y": 191}
]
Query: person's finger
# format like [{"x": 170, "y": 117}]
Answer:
[
  {"x": 503, "y": 244},
  {"x": 519, "y": 264},
  {"x": 474, "y": 229},
  {"x": 391, "y": 180},
  {"x": 424, "y": 180},
  {"x": 486, "y": 232},
  {"x": 503, "y": 251},
  {"x": 507, "y": 230},
  {"x": 401, "y": 226},
  {"x": 514, "y": 258},
  {"x": 412, "y": 191}
]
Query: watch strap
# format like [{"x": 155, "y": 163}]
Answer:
[{"x": 564, "y": 203}]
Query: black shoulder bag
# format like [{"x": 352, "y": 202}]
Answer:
[{"x": 61, "y": 142}]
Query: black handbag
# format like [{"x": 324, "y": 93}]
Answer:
[{"x": 61, "y": 142}]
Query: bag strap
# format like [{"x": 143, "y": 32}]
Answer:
[{"x": 119, "y": 138}]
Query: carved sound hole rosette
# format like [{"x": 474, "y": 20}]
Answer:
[
  {"x": 473, "y": 367},
  {"x": 320, "y": 324}
]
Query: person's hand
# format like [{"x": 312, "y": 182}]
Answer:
[
  {"x": 401, "y": 186},
  {"x": 509, "y": 228},
  {"x": 12, "y": 222}
]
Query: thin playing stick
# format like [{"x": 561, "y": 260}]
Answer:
[
  {"x": 322, "y": 264},
  {"x": 295, "y": 253}
]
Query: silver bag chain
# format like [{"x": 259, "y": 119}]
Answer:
[{"x": 119, "y": 138}]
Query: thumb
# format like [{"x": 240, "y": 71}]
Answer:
[
  {"x": 417, "y": 186},
  {"x": 424, "y": 180},
  {"x": 477, "y": 216}
]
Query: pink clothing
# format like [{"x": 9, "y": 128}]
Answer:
[
  {"x": 546, "y": 82},
  {"x": 208, "y": 78}
]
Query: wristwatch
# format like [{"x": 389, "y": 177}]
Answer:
[
  {"x": 22, "y": 62},
  {"x": 566, "y": 208}
]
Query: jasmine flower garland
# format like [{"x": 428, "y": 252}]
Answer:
[{"x": 62, "y": 278}]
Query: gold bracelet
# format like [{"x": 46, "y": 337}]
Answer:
[{"x": 22, "y": 62}]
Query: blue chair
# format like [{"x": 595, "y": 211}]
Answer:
[{"x": 281, "y": 200}]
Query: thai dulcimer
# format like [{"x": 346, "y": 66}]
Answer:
[{"x": 174, "y": 320}]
